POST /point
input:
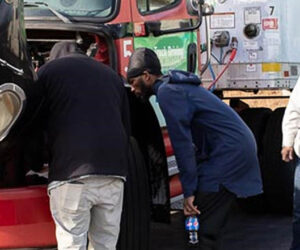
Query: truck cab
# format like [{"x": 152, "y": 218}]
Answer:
[{"x": 108, "y": 31}]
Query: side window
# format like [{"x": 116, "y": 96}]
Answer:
[{"x": 146, "y": 6}]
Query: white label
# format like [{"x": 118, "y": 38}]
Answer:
[
  {"x": 251, "y": 45},
  {"x": 222, "y": 21},
  {"x": 252, "y": 15},
  {"x": 272, "y": 45},
  {"x": 272, "y": 39},
  {"x": 251, "y": 68},
  {"x": 126, "y": 44},
  {"x": 252, "y": 55}
]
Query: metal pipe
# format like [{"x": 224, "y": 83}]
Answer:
[
  {"x": 4, "y": 63},
  {"x": 208, "y": 45}
]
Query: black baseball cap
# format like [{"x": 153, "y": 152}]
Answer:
[{"x": 143, "y": 59}]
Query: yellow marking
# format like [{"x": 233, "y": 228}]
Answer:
[{"x": 271, "y": 67}]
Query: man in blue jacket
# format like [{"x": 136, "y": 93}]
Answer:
[{"x": 214, "y": 149}]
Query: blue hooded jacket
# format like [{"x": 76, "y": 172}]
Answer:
[{"x": 212, "y": 145}]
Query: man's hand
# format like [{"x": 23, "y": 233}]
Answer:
[
  {"x": 287, "y": 154},
  {"x": 189, "y": 208}
]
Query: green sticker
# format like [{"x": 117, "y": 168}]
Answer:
[{"x": 171, "y": 49}]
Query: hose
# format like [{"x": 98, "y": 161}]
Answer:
[
  {"x": 226, "y": 54},
  {"x": 221, "y": 54},
  {"x": 213, "y": 75},
  {"x": 232, "y": 56},
  {"x": 214, "y": 56}
]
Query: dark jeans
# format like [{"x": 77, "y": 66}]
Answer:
[
  {"x": 215, "y": 209},
  {"x": 296, "y": 220}
]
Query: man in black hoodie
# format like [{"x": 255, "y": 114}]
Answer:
[{"x": 86, "y": 119}]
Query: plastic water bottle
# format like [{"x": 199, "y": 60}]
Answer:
[{"x": 192, "y": 227}]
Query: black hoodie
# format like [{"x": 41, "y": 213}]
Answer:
[{"x": 86, "y": 112}]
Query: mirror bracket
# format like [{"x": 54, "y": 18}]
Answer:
[{"x": 17, "y": 71}]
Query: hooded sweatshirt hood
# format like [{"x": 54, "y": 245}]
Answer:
[
  {"x": 63, "y": 49},
  {"x": 183, "y": 77},
  {"x": 176, "y": 77}
]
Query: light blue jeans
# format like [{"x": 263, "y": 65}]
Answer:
[
  {"x": 88, "y": 208},
  {"x": 296, "y": 220}
]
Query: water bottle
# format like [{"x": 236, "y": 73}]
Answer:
[{"x": 192, "y": 227}]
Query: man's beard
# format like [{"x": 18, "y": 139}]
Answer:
[{"x": 146, "y": 91}]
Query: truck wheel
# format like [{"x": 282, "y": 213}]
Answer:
[
  {"x": 135, "y": 222},
  {"x": 256, "y": 119},
  {"x": 278, "y": 176}
]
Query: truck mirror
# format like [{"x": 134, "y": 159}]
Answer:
[{"x": 12, "y": 99}]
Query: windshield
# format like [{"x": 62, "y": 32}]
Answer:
[{"x": 71, "y": 8}]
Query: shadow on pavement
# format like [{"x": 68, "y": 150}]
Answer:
[{"x": 243, "y": 232}]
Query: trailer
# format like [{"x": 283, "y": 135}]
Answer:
[{"x": 265, "y": 37}]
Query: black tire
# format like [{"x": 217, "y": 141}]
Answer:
[
  {"x": 278, "y": 176},
  {"x": 256, "y": 119},
  {"x": 135, "y": 222},
  {"x": 148, "y": 134}
]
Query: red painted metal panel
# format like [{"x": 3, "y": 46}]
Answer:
[
  {"x": 178, "y": 12},
  {"x": 22, "y": 236},
  {"x": 25, "y": 218},
  {"x": 124, "y": 15},
  {"x": 175, "y": 186},
  {"x": 167, "y": 142},
  {"x": 125, "y": 48}
]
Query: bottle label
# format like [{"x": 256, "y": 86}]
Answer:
[
  {"x": 191, "y": 223},
  {"x": 193, "y": 238}
]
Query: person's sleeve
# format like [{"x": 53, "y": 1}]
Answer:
[
  {"x": 178, "y": 115},
  {"x": 32, "y": 142},
  {"x": 291, "y": 118}
]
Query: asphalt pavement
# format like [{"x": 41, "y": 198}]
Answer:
[{"x": 244, "y": 232}]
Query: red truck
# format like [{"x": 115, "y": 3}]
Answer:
[{"x": 108, "y": 31}]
